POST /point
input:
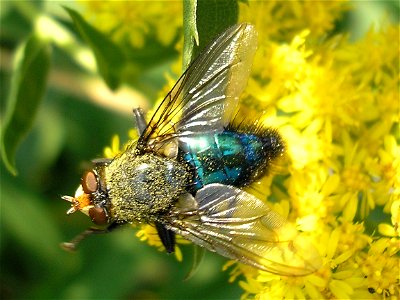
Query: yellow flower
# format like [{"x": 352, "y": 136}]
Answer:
[
  {"x": 282, "y": 20},
  {"x": 133, "y": 21},
  {"x": 148, "y": 233},
  {"x": 385, "y": 169},
  {"x": 335, "y": 102},
  {"x": 394, "y": 230},
  {"x": 312, "y": 193},
  {"x": 114, "y": 149},
  {"x": 348, "y": 272},
  {"x": 381, "y": 267},
  {"x": 356, "y": 182}
]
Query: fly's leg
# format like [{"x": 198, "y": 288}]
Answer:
[
  {"x": 141, "y": 123},
  {"x": 167, "y": 237},
  {"x": 73, "y": 244}
]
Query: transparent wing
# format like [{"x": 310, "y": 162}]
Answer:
[
  {"x": 206, "y": 95},
  {"x": 237, "y": 225}
]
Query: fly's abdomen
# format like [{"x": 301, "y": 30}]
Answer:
[{"x": 230, "y": 157}]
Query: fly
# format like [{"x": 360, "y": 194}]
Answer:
[{"x": 185, "y": 172}]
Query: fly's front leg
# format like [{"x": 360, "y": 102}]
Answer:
[
  {"x": 73, "y": 244},
  {"x": 141, "y": 123}
]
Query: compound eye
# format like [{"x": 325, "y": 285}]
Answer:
[
  {"x": 89, "y": 182},
  {"x": 98, "y": 215}
]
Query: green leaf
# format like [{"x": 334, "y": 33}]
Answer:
[
  {"x": 110, "y": 58},
  {"x": 198, "y": 256},
  {"x": 28, "y": 85},
  {"x": 211, "y": 18},
  {"x": 29, "y": 221},
  {"x": 190, "y": 35}
]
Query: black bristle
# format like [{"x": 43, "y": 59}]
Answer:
[
  {"x": 273, "y": 147},
  {"x": 274, "y": 144}
]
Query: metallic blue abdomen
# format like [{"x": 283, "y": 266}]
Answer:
[{"x": 230, "y": 157}]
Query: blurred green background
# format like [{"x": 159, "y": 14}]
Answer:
[{"x": 72, "y": 126}]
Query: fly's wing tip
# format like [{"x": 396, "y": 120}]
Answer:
[{"x": 308, "y": 252}]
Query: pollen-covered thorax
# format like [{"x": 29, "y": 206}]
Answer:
[{"x": 141, "y": 187}]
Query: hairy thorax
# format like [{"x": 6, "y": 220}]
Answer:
[{"x": 142, "y": 188}]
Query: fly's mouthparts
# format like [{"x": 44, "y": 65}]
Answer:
[
  {"x": 69, "y": 199},
  {"x": 74, "y": 204}
]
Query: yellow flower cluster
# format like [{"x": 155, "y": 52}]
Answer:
[
  {"x": 336, "y": 103},
  {"x": 149, "y": 234},
  {"x": 281, "y": 20},
  {"x": 132, "y": 21}
]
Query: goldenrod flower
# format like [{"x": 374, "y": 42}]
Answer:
[
  {"x": 394, "y": 229},
  {"x": 114, "y": 149},
  {"x": 149, "y": 234},
  {"x": 336, "y": 103},
  {"x": 132, "y": 21},
  {"x": 281, "y": 20}
]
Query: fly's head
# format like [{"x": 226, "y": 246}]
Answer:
[{"x": 91, "y": 197}]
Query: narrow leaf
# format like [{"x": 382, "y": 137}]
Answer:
[
  {"x": 212, "y": 18},
  {"x": 198, "y": 256},
  {"x": 190, "y": 35},
  {"x": 30, "y": 70},
  {"x": 110, "y": 58}
]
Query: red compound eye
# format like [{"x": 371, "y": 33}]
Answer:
[
  {"x": 98, "y": 215},
  {"x": 89, "y": 182}
]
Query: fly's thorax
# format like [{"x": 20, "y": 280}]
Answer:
[{"x": 142, "y": 188}]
